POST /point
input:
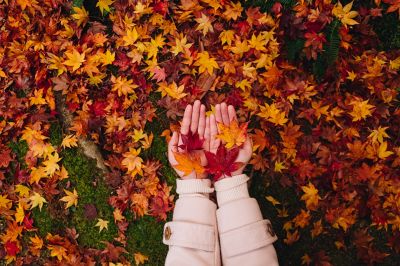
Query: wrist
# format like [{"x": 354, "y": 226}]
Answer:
[
  {"x": 231, "y": 188},
  {"x": 188, "y": 187}
]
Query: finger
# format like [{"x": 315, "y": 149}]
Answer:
[
  {"x": 213, "y": 130},
  {"x": 231, "y": 113},
  {"x": 207, "y": 135},
  {"x": 224, "y": 113},
  {"x": 202, "y": 121},
  {"x": 248, "y": 145},
  {"x": 187, "y": 117},
  {"x": 218, "y": 116},
  {"x": 173, "y": 146},
  {"x": 180, "y": 142},
  {"x": 195, "y": 117}
]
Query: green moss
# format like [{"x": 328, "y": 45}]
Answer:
[
  {"x": 55, "y": 133},
  {"x": 91, "y": 190},
  {"x": 45, "y": 222},
  {"x": 145, "y": 236},
  {"x": 20, "y": 149}
]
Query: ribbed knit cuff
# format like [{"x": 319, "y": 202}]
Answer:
[
  {"x": 192, "y": 186},
  {"x": 231, "y": 188}
]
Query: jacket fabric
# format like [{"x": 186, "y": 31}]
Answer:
[{"x": 231, "y": 234}]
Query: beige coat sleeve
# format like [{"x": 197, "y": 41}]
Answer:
[
  {"x": 245, "y": 237},
  {"x": 192, "y": 235}
]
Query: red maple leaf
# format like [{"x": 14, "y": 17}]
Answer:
[
  {"x": 223, "y": 162},
  {"x": 11, "y": 248},
  {"x": 191, "y": 142}
]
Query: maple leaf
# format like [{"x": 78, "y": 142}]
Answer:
[
  {"x": 140, "y": 258},
  {"x": 102, "y": 224},
  {"x": 377, "y": 135},
  {"x": 206, "y": 63},
  {"x": 383, "y": 152},
  {"x": 191, "y": 142},
  {"x": 57, "y": 251},
  {"x": 36, "y": 245},
  {"x": 75, "y": 59},
  {"x": 223, "y": 162},
  {"x": 104, "y": 5},
  {"x": 232, "y": 134},
  {"x": 132, "y": 161},
  {"x": 69, "y": 141},
  {"x": 188, "y": 163},
  {"x": 204, "y": 24},
  {"x": 159, "y": 74},
  {"x": 19, "y": 214},
  {"x": 81, "y": 15},
  {"x": 345, "y": 14},
  {"x": 172, "y": 90},
  {"x": 361, "y": 109},
  {"x": 4, "y": 202},
  {"x": 122, "y": 85},
  {"x": 272, "y": 200},
  {"x": 37, "y": 99},
  {"x": 272, "y": 114},
  {"x": 70, "y": 199},
  {"x": 51, "y": 165},
  {"x": 311, "y": 196},
  {"x": 180, "y": 45},
  {"x": 22, "y": 190},
  {"x": 37, "y": 200}
]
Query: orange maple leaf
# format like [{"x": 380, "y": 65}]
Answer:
[
  {"x": 188, "y": 163},
  {"x": 233, "y": 134}
]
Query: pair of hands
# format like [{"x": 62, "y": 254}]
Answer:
[{"x": 195, "y": 121}]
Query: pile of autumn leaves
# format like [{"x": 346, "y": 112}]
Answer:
[{"x": 328, "y": 141}]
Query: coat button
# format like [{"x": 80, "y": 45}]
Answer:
[
  {"x": 270, "y": 230},
  {"x": 167, "y": 233}
]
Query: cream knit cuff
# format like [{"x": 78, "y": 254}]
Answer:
[
  {"x": 193, "y": 186},
  {"x": 231, "y": 188}
]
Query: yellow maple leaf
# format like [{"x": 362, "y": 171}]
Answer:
[
  {"x": 37, "y": 99},
  {"x": 272, "y": 200},
  {"x": 351, "y": 75},
  {"x": 36, "y": 245},
  {"x": 204, "y": 24},
  {"x": 132, "y": 162},
  {"x": 361, "y": 109},
  {"x": 102, "y": 224},
  {"x": 180, "y": 45},
  {"x": 75, "y": 59},
  {"x": 19, "y": 214},
  {"x": 258, "y": 42},
  {"x": 37, "y": 200},
  {"x": 240, "y": 47},
  {"x": 22, "y": 190},
  {"x": 311, "y": 196},
  {"x": 377, "y": 135},
  {"x": 272, "y": 114},
  {"x": 227, "y": 37},
  {"x": 81, "y": 15},
  {"x": 69, "y": 141},
  {"x": 232, "y": 134},
  {"x": 187, "y": 164},
  {"x": 118, "y": 217},
  {"x": 108, "y": 58},
  {"x": 51, "y": 164},
  {"x": 382, "y": 151},
  {"x": 70, "y": 199},
  {"x": 5, "y": 202},
  {"x": 130, "y": 37},
  {"x": 37, "y": 174},
  {"x": 140, "y": 258},
  {"x": 206, "y": 63},
  {"x": 104, "y": 5},
  {"x": 279, "y": 166},
  {"x": 233, "y": 11},
  {"x": 172, "y": 90},
  {"x": 57, "y": 251},
  {"x": 122, "y": 85},
  {"x": 344, "y": 14},
  {"x": 395, "y": 64}
]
